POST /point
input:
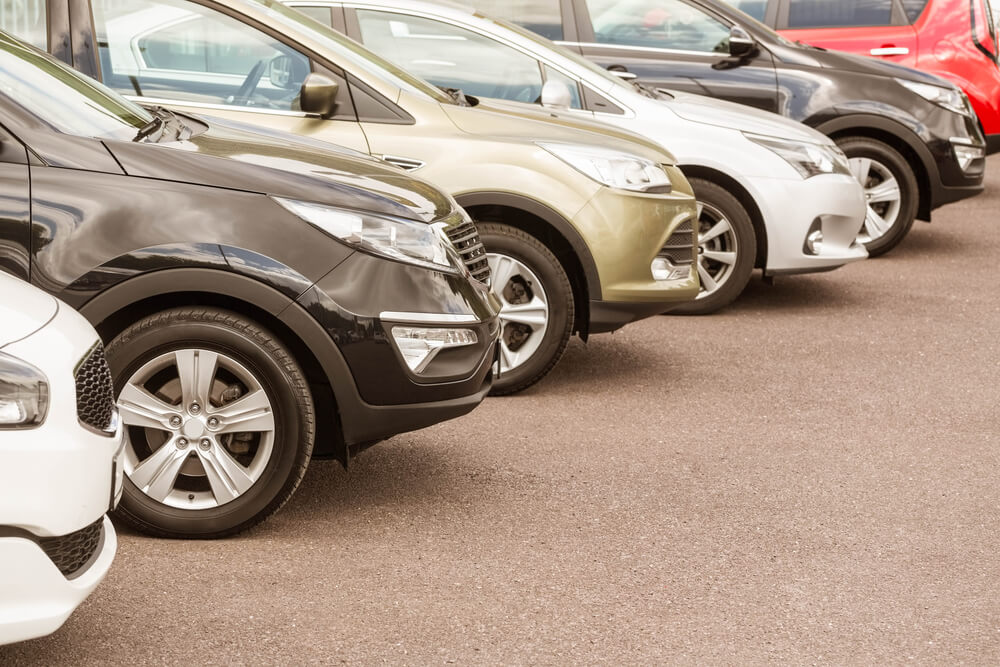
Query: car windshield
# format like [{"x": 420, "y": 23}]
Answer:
[
  {"x": 350, "y": 51},
  {"x": 63, "y": 98}
]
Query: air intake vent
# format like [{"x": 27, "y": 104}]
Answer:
[{"x": 465, "y": 238}]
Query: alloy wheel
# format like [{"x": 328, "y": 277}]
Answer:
[
  {"x": 524, "y": 315},
  {"x": 200, "y": 428},
  {"x": 718, "y": 249},
  {"x": 882, "y": 195}
]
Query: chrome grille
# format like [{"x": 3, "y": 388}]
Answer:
[
  {"x": 465, "y": 238},
  {"x": 680, "y": 247},
  {"x": 71, "y": 552},
  {"x": 95, "y": 394}
]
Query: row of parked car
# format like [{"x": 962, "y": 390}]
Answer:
[{"x": 301, "y": 228}]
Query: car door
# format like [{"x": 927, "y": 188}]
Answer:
[
  {"x": 674, "y": 44},
  {"x": 197, "y": 59},
  {"x": 879, "y": 28}
]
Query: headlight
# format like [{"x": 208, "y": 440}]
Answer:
[
  {"x": 807, "y": 159},
  {"x": 612, "y": 168},
  {"x": 24, "y": 393},
  {"x": 404, "y": 240},
  {"x": 951, "y": 99}
]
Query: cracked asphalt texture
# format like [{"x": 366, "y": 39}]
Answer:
[{"x": 807, "y": 477}]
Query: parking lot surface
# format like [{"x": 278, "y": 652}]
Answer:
[{"x": 809, "y": 477}]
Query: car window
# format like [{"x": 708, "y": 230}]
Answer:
[
  {"x": 570, "y": 83},
  {"x": 180, "y": 50},
  {"x": 452, "y": 57},
  {"x": 27, "y": 20},
  {"x": 839, "y": 14},
  {"x": 914, "y": 8},
  {"x": 62, "y": 97},
  {"x": 540, "y": 16},
  {"x": 754, "y": 8},
  {"x": 665, "y": 24}
]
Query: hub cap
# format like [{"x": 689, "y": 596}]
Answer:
[
  {"x": 882, "y": 195},
  {"x": 200, "y": 429},
  {"x": 524, "y": 317},
  {"x": 717, "y": 249}
]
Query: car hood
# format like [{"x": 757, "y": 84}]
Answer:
[
  {"x": 519, "y": 122},
  {"x": 237, "y": 156},
  {"x": 23, "y": 310},
  {"x": 850, "y": 62},
  {"x": 708, "y": 110}
]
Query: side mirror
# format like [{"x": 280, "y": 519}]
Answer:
[
  {"x": 741, "y": 44},
  {"x": 279, "y": 71},
  {"x": 556, "y": 95},
  {"x": 319, "y": 95}
]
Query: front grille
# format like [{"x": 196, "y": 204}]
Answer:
[
  {"x": 465, "y": 238},
  {"x": 71, "y": 552},
  {"x": 679, "y": 248},
  {"x": 95, "y": 395}
]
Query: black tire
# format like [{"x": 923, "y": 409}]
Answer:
[
  {"x": 717, "y": 200},
  {"x": 501, "y": 239},
  {"x": 890, "y": 158},
  {"x": 271, "y": 365}
]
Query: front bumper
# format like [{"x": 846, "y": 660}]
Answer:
[
  {"x": 832, "y": 204},
  {"x": 625, "y": 233}
]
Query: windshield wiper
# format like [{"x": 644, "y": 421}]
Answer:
[
  {"x": 457, "y": 95},
  {"x": 149, "y": 128}
]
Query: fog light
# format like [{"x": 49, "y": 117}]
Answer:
[
  {"x": 664, "y": 269},
  {"x": 419, "y": 346},
  {"x": 967, "y": 154},
  {"x": 814, "y": 242}
]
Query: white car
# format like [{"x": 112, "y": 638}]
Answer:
[
  {"x": 773, "y": 193},
  {"x": 60, "y": 442}
]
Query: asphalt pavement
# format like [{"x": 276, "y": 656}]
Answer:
[{"x": 810, "y": 476}]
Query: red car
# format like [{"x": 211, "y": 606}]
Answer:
[{"x": 955, "y": 39}]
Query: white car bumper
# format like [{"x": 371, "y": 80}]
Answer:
[{"x": 794, "y": 209}]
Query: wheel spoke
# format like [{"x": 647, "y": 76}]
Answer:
[
  {"x": 196, "y": 370},
  {"x": 700, "y": 207},
  {"x": 718, "y": 229},
  {"x": 140, "y": 408},
  {"x": 502, "y": 269},
  {"x": 886, "y": 191},
  {"x": 719, "y": 256},
  {"x": 534, "y": 314},
  {"x": 251, "y": 412},
  {"x": 861, "y": 167},
  {"x": 875, "y": 224},
  {"x": 157, "y": 475},
  {"x": 228, "y": 479},
  {"x": 508, "y": 358},
  {"x": 707, "y": 281}
]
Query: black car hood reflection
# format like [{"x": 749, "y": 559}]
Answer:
[
  {"x": 850, "y": 62},
  {"x": 237, "y": 156}
]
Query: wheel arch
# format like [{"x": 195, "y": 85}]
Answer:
[
  {"x": 736, "y": 189},
  {"x": 114, "y": 309},
  {"x": 899, "y": 137},
  {"x": 552, "y": 229}
]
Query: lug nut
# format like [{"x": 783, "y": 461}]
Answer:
[
  {"x": 175, "y": 421},
  {"x": 213, "y": 422},
  {"x": 182, "y": 443},
  {"x": 194, "y": 409},
  {"x": 205, "y": 444}
]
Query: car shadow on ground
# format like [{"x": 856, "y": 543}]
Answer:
[{"x": 791, "y": 294}]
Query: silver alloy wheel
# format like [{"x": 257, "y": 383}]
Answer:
[
  {"x": 200, "y": 429},
  {"x": 524, "y": 316},
  {"x": 882, "y": 195},
  {"x": 717, "y": 249}
]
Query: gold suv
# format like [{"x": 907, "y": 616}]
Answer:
[{"x": 587, "y": 227}]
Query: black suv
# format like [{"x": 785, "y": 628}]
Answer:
[
  {"x": 258, "y": 293},
  {"x": 912, "y": 138}
]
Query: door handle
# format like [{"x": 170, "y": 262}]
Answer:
[
  {"x": 621, "y": 72},
  {"x": 890, "y": 50}
]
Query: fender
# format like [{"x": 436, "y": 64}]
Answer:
[{"x": 557, "y": 221}]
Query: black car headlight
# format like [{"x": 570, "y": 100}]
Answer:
[
  {"x": 407, "y": 241},
  {"x": 24, "y": 394}
]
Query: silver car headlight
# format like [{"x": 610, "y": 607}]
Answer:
[
  {"x": 951, "y": 99},
  {"x": 408, "y": 241},
  {"x": 24, "y": 394},
  {"x": 613, "y": 168},
  {"x": 807, "y": 159}
]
